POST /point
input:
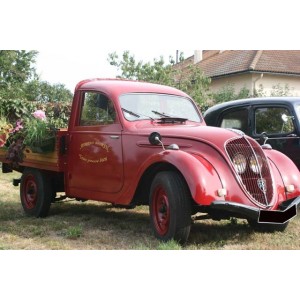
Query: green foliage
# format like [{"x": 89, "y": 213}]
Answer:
[
  {"x": 16, "y": 66},
  {"x": 42, "y": 91},
  {"x": 271, "y": 121},
  {"x": 191, "y": 81},
  {"x": 21, "y": 91},
  {"x": 196, "y": 84},
  {"x": 36, "y": 131},
  {"x": 58, "y": 113},
  {"x": 16, "y": 69},
  {"x": 156, "y": 72},
  {"x": 170, "y": 245},
  {"x": 227, "y": 93},
  {"x": 74, "y": 232},
  {"x": 277, "y": 91},
  {"x": 15, "y": 109}
]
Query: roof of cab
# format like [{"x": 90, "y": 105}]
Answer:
[{"x": 122, "y": 86}]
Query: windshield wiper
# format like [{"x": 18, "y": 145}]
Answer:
[
  {"x": 169, "y": 119},
  {"x": 131, "y": 112},
  {"x": 135, "y": 114},
  {"x": 160, "y": 114}
]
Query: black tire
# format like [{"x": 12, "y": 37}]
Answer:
[
  {"x": 36, "y": 193},
  {"x": 263, "y": 227},
  {"x": 170, "y": 207}
]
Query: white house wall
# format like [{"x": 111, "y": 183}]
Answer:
[
  {"x": 269, "y": 81},
  {"x": 237, "y": 81},
  {"x": 252, "y": 81}
]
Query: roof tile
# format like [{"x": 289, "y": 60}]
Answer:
[{"x": 217, "y": 63}]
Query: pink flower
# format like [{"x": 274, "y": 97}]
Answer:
[
  {"x": 18, "y": 127},
  {"x": 39, "y": 114}
]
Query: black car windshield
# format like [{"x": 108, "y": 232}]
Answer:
[{"x": 138, "y": 106}]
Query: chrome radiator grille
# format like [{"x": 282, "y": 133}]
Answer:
[{"x": 258, "y": 183}]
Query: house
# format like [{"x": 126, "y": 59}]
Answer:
[{"x": 255, "y": 70}]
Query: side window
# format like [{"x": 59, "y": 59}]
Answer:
[
  {"x": 273, "y": 120},
  {"x": 237, "y": 119},
  {"x": 97, "y": 109}
]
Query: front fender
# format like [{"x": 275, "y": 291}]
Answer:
[
  {"x": 288, "y": 171},
  {"x": 202, "y": 178}
]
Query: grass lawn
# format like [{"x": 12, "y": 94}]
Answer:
[{"x": 93, "y": 225}]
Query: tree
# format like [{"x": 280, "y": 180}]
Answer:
[
  {"x": 21, "y": 90},
  {"x": 196, "y": 84},
  {"x": 43, "y": 91},
  {"x": 16, "y": 66},
  {"x": 18, "y": 79},
  {"x": 190, "y": 80},
  {"x": 228, "y": 92}
]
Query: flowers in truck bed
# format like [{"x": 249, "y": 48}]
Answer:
[
  {"x": 34, "y": 132},
  {"x": 5, "y": 129},
  {"x": 39, "y": 114},
  {"x": 37, "y": 130}
]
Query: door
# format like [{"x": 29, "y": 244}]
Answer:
[
  {"x": 95, "y": 162},
  {"x": 278, "y": 123}
]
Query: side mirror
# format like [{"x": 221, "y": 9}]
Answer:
[
  {"x": 263, "y": 138},
  {"x": 155, "y": 139}
]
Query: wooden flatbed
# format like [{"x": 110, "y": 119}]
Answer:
[{"x": 50, "y": 161}]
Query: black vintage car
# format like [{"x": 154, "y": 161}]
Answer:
[{"x": 273, "y": 120}]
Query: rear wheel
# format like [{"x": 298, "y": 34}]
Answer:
[
  {"x": 263, "y": 227},
  {"x": 170, "y": 207},
  {"x": 36, "y": 193}
]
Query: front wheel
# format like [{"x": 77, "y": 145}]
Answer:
[
  {"x": 36, "y": 193},
  {"x": 170, "y": 207}
]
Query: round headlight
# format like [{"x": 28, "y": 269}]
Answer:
[
  {"x": 240, "y": 163},
  {"x": 255, "y": 163}
]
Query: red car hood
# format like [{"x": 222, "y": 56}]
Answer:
[{"x": 190, "y": 131}]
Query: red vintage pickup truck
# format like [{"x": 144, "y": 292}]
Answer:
[{"x": 134, "y": 143}]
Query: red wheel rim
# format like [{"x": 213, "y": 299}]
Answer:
[
  {"x": 161, "y": 210},
  {"x": 30, "y": 192}
]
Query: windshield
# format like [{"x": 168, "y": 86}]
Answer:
[{"x": 156, "y": 106}]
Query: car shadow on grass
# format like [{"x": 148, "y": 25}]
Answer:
[
  {"x": 204, "y": 235},
  {"x": 216, "y": 235},
  {"x": 92, "y": 220}
]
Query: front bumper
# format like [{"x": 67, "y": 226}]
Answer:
[{"x": 289, "y": 211}]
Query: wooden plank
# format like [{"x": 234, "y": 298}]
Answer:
[{"x": 2, "y": 153}]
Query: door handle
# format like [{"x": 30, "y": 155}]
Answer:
[
  {"x": 292, "y": 135},
  {"x": 114, "y": 137}
]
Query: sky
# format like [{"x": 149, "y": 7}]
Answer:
[
  {"x": 69, "y": 66},
  {"x": 75, "y": 38}
]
